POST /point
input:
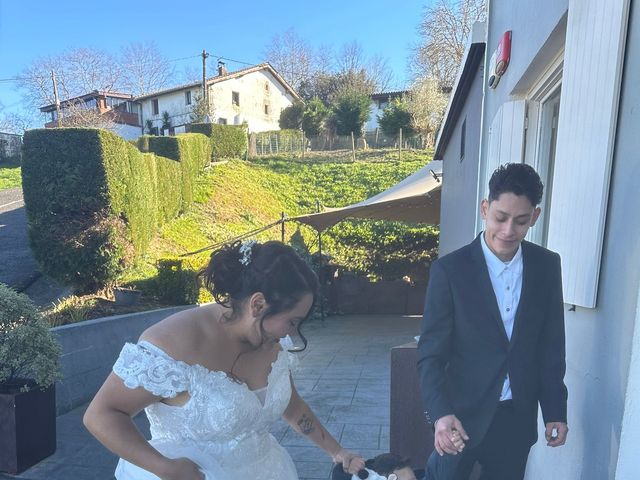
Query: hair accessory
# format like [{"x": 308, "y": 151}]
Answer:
[{"x": 245, "y": 252}]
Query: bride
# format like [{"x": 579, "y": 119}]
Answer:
[{"x": 213, "y": 379}]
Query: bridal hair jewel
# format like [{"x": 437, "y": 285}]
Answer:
[{"x": 245, "y": 252}]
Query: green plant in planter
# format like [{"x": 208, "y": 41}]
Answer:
[{"x": 28, "y": 350}]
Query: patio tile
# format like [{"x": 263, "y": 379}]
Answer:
[{"x": 361, "y": 436}]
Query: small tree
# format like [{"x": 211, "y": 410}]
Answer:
[
  {"x": 201, "y": 110},
  {"x": 291, "y": 117},
  {"x": 396, "y": 116},
  {"x": 427, "y": 104},
  {"x": 350, "y": 111},
  {"x": 166, "y": 121},
  {"x": 314, "y": 114}
]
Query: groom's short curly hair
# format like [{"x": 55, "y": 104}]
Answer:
[{"x": 516, "y": 178}]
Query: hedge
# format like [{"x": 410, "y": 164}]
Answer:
[
  {"x": 94, "y": 201},
  {"x": 227, "y": 141}
]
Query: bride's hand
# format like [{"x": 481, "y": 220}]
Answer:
[
  {"x": 183, "y": 469},
  {"x": 351, "y": 462}
]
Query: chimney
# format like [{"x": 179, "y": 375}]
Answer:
[{"x": 222, "y": 68}]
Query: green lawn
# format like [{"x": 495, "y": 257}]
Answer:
[
  {"x": 241, "y": 196},
  {"x": 10, "y": 176}
]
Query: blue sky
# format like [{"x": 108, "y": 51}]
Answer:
[{"x": 239, "y": 30}]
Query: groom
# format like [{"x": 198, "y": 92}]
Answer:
[{"x": 492, "y": 344}]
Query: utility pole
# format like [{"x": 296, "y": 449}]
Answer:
[
  {"x": 56, "y": 98},
  {"x": 205, "y": 94}
]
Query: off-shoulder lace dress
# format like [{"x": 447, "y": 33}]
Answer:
[{"x": 223, "y": 427}]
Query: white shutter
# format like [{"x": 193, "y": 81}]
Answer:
[
  {"x": 505, "y": 144},
  {"x": 593, "y": 58}
]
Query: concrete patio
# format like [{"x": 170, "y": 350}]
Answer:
[{"x": 344, "y": 375}]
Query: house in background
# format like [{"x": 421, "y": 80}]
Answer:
[
  {"x": 255, "y": 95},
  {"x": 119, "y": 107},
  {"x": 379, "y": 102},
  {"x": 10, "y": 145},
  {"x": 568, "y": 104}
]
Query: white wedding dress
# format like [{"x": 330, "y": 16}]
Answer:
[{"x": 223, "y": 427}]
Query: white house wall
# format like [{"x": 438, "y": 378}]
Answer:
[
  {"x": 457, "y": 223},
  {"x": 253, "y": 97},
  {"x": 174, "y": 104},
  {"x": 128, "y": 132}
]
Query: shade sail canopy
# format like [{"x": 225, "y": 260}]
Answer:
[{"x": 414, "y": 199}]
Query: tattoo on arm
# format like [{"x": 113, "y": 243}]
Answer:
[{"x": 306, "y": 424}]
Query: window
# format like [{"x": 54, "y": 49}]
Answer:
[
  {"x": 187, "y": 97},
  {"x": 266, "y": 86},
  {"x": 235, "y": 98},
  {"x": 266, "y": 109},
  {"x": 154, "y": 106},
  {"x": 545, "y": 160},
  {"x": 222, "y": 121},
  {"x": 463, "y": 136}
]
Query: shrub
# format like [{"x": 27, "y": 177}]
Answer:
[
  {"x": 314, "y": 114},
  {"x": 227, "y": 141},
  {"x": 28, "y": 350},
  {"x": 394, "y": 117},
  {"x": 177, "y": 281},
  {"x": 100, "y": 200},
  {"x": 291, "y": 116},
  {"x": 350, "y": 111}
]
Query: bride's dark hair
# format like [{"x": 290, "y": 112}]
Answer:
[{"x": 237, "y": 271}]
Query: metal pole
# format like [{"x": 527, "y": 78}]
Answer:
[
  {"x": 205, "y": 94},
  {"x": 57, "y": 99},
  {"x": 400, "y": 146},
  {"x": 320, "y": 266},
  {"x": 353, "y": 147},
  {"x": 282, "y": 217}
]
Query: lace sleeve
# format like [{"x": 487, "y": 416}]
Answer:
[{"x": 145, "y": 365}]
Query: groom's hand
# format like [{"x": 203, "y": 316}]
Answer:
[
  {"x": 448, "y": 434},
  {"x": 556, "y": 433}
]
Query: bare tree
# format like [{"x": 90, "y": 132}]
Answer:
[
  {"x": 291, "y": 56},
  {"x": 144, "y": 69},
  {"x": 427, "y": 104},
  {"x": 14, "y": 123},
  {"x": 80, "y": 114},
  {"x": 444, "y": 29},
  {"x": 77, "y": 71}
]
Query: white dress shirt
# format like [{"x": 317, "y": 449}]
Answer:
[{"x": 506, "y": 279}]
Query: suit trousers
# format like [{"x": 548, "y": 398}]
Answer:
[{"x": 502, "y": 453}]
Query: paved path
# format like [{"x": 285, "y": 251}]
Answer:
[
  {"x": 18, "y": 268},
  {"x": 343, "y": 375}
]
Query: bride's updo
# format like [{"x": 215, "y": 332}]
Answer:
[{"x": 237, "y": 271}]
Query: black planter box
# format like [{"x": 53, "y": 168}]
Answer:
[{"x": 27, "y": 428}]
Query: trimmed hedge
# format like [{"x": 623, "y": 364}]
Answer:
[
  {"x": 227, "y": 141},
  {"x": 94, "y": 201}
]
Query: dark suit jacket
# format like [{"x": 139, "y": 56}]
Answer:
[{"x": 464, "y": 354}]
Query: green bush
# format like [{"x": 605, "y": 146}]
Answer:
[
  {"x": 28, "y": 350},
  {"x": 227, "y": 141},
  {"x": 350, "y": 111},
  {"x": 313, "y": 119},
  {"x": 394, "y": 117},
  {"x": 177, "y": 281},
  {"x": 99, "y": 201},
  {"x": 291, "y": 116}
]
